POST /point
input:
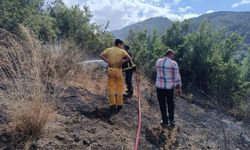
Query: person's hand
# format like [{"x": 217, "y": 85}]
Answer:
[
  {"x": 107, "y": 61},
  {"x": 178, "y": 91},
  {"x": 122, "y": 62},
  {"x": 109, "y": 65}
]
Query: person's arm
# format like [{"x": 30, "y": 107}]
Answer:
[
  {"x": 104, "y": 57},
  {"x": 130, "y": 54},
  {"x": 177, "y": 78},
  {"x": 126, "y": 59}
]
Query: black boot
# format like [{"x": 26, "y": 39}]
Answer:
[
  {"x": 128, "y": 94},
  {"x": 112, "y": 109},
  {"x": 164, "y": 124},
  {"x": 172, "y": 124},
  {"x": 119, "y": 107}
]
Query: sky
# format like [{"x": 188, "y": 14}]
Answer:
[{"x": 121, "y": 13}]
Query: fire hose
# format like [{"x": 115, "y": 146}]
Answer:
[{"x": 139, "y": 111}]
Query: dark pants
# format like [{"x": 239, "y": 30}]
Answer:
[
  {"x": 128, "y": 78},
  {"x": 164, "y": 95}
]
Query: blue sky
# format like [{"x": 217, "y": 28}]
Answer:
[{"x": 121, "y": 13}]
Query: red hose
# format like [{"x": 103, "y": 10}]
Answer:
[{"x": 139, "y": 112}]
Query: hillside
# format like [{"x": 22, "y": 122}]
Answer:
[
  {"x": 234, "y": 21},
  {"x": 82, "y": 121},
  {"x": 53, "y": 93},
  {"x": 158, "y": 23}
]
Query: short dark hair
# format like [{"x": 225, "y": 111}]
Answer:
[
  {"x": 118, "y": 41},
  {"x": 126, "y": 47},
  {"x": 169, "y": 51}
]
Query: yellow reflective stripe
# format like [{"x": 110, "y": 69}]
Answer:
[
  {"x": 130, "y": 66},
  {"x": 132, "y": 63}
]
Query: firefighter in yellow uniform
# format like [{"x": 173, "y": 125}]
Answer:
[{"x": 115, "y": 57}]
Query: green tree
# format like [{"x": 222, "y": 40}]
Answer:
[
  {"x": 199, "y": 45},
  {"x": 175, "y": 38},
  {"x": 246, "y": 67},
  {"x": 147, "y": 49},
  {"x": 74, "y": 23},
  {"x": 43, "y": 26},
  {"x": 14, "y": 12}
]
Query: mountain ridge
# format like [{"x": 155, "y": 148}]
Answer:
[
  {"x": 233, "y": 21},
  {"x": 147, "y": 24}
]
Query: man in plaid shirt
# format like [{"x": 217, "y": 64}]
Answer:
[{"x": 168, "y": 78}]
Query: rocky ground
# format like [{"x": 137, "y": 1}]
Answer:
[{"x": 82, "y": 121}]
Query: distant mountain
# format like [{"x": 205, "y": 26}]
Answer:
[
  {"x": 234, "y": 21},
  {"x": 161, "y": 24}
]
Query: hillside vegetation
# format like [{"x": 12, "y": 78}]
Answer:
[
  {"x": 55, "y": 22},
  {"x": 215, "y": 62}
]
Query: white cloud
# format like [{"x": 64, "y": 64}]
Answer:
[
  {"x": 184, "y": 9},
  {"x": 190, "y": 15},
  {"x": 177, "y": 1},
  {"x": 121, "y": 13},
  {"x": 210, "y": 11},
  {"x": 242, "y": 2}
]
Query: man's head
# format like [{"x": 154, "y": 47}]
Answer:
[
  {"x": 170, "y": 53},
  {"x": 119, "y": 43},
  {"x": 126, "y": 47}
]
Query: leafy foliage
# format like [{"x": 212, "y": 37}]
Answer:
[
  {"x": 146, "y": 49},
  {"x": 16, "y": 11},
  {"x": 55, "y": 22}
]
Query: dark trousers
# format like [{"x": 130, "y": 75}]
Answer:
[
  {"x": 164, "y": 95},
  {"x": 129, "y": 78}
]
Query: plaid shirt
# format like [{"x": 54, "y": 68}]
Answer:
[{"x": 168, "y": 75}]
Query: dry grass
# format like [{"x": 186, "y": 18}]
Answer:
[
  {"x": 31, "y": 74},
  {"x": 24, "y": 95},
  {"x": 92, "y": 81},
  {"x": 29, "y": 119},
  {"x": 19, "y": 69},
  {"x": 60, "y": 66}
]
